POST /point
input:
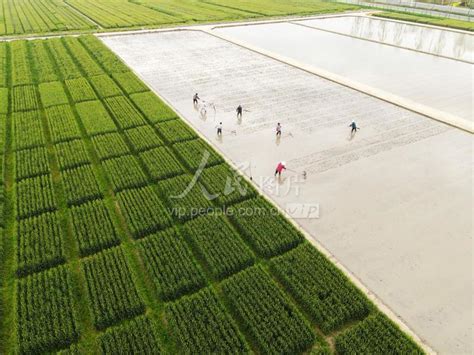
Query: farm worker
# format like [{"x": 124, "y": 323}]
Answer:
[
  {"x": 239, "y": 111},
  {"x": 280, "y": 167},
  {"x": 354, "y": 127},
  {"x": 219, "y": 129},
  {"x": 278, "y": 129},
  {"x": 195, "y": 99}
]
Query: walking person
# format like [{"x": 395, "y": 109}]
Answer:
[
  {"x": 280, "y": 167},
  {"x": 219, "y": 129},
  {"x": 195, "y": 99},
  {"x": 354, "y": 127},
  {"x": 278, "y": 130},
  {"x": 239, "y": 111}
]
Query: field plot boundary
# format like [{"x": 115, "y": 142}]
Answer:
[{"x": 358, "y": 283}]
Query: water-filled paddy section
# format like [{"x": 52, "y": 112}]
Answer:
[{"x": 437, "y": 82}]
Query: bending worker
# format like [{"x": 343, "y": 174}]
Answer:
[{"x": 280, "y": 167}]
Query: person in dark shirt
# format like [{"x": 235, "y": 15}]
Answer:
[
  {"x": 354, "y": 127},
  {"x": 239, "y": 111},
  {"x": 278, "y": 130},
  {"x": 195, "y": 99}
]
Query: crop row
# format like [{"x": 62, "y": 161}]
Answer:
[
  {"x": 129, "y": 82},
  {"x": 124, "y": 13},
  {"x": 80, "y": 185},
  {"x": 21, "y": 70},
  {"x": 135, "y": 337},
  {"x": 31, "y": 162},
  {"x": 325, "y": 293},
  {"x": 39, "y": 16},
  {"x": 124, "y": 172},
  {"x": 226, "y": 185},
  {"x": 375, "y": 335},
  {"x": 109, "y": 61},
  {"x": 40, "y": 244},
  {"x": 152, "y": 107},
  {"x": 176, "y": 131},
  {"x": 264, "y": 227},
  {"x": 62, "y": 124},
  {"x": 93, "y": 228},
  {"x": 143, "y": 138},
  {"x": 143, "y": 210},
  {"x": 112, "y": 293},
  {"x": 45, "y": 316},
  {"x": 95, "y": 118},
  {"x": 105, "y": 86},
  {"x": 201, "y": 325},
  {"x": 4, "y": 101},
  {"x": 25, "y": 98},
  {"x": 219, "y": 245},
  {"x": 125, "y": 114},
  {"x": 267, "y": 314},
  {"x": 88, "y": 65},
  {"x": 71, "y": 154},
  {"x": 170, "y": 264},
  {"x": 27, "y": 130},
  {"x": 3, "y": 64},
  {"x": 184, "y": 197},
  {"x": 110, "y": 145},
  {"x": 64, "y": 63},
  {"x": 161, "y": 163},
  {"x": 35, "y": 196},
  {"x": 42, "y": 63},
  {"x": 80, "y": 90},
  {"x": 196, "y": 153},
  {"x": 52, "y": 94}
]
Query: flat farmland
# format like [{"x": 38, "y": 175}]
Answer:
[
  {"x": 45, "y": 16},
  {"x": 98, "y": 255},
  {"x": 393, "y": 203}
]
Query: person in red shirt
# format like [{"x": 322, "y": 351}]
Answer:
[{"x": 280, "y": 167}]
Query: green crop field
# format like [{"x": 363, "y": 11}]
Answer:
[
  {"x": 94, "y": 257},
  {"x": 42, "y": 16}
]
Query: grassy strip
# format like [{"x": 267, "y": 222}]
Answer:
[
  {"x": 428, "y": 20},
  {"x": 7, "y": 253}
]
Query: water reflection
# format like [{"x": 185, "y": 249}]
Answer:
[{"x": 447, "y": 43}]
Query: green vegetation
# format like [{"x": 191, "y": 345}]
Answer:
[
  {"x": 428, "y": 20},
  {"x": 39, "y": 243},
  {"x": 111, "y": 290},
  {"x": 219, "y": 245},
  {"x": 93, "y": 227},
  {"x": 96, "y": 254},
  {"x": 44, "y": 311},
  {"x": 171, "y": 264},
  {"x": 201, "y": 325},
  {"x": 330, "y": 298},
  {"x": 375, "y": 335},
  {"x": 136, "y": 337},
  {"x": 71, "y": 154},
  {"x": 43, "y": 16},
  {"x": 254, "y": 296},
  {"x": 266, "y": 229}
]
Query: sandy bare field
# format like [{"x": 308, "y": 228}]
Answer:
[{"x": 395, "y": 199}]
